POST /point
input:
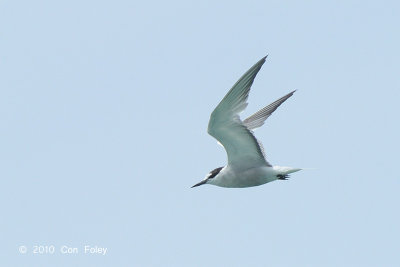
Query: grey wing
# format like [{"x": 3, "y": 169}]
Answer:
[
  {"x": 225, "y": 125},
  {"x": 257, "y": 119}
]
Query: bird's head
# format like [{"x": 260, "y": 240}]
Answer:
[{"x": 209, "y": 176}]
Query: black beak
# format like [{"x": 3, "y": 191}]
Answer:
[{"x": 202, "y": 182}]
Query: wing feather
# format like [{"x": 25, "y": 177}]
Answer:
[
  {"x": 225, "y": 125},
  {"x": 257, "y": 119}
]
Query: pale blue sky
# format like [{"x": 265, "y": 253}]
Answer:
[{"x": 104, "y": 107}]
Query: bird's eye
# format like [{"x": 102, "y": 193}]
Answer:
[{"x": 214, "y": 173}]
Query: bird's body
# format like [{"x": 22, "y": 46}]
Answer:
[
  {"x": 247, "y": 165},
  {"x": 229, "y": 176}
]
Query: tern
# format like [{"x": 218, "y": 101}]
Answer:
[{"x": 247, "y": 164}]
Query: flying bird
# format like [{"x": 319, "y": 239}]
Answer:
[{"x": 247, "y": 164}]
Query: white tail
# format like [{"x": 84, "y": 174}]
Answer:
[{"x": 286, "y": 170}]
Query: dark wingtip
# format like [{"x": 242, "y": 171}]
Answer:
[
  {"x": 264, "y": 58},
  {"x": 291, "y": 93}
]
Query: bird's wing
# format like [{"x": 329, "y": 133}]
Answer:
[
  {"x": 225, "y": 125},
  {"x": 257, "y": 119}
]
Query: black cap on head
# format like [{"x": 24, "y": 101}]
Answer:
[{"x": 211, "y": 175}]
